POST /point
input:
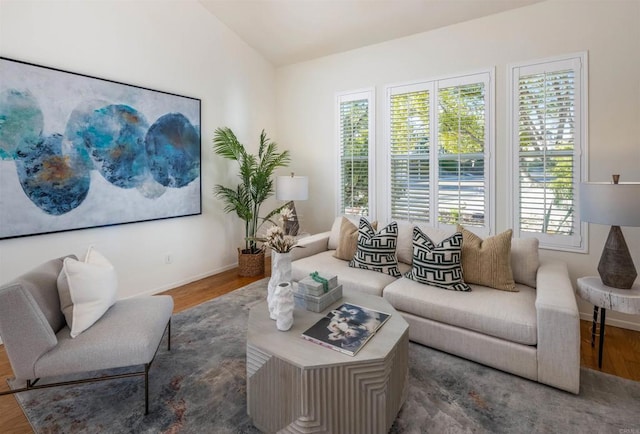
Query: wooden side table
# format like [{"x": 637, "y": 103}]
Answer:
[{"x": 605, "y": 297}]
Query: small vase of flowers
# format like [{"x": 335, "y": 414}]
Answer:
[{"x": 281, "y": 246}]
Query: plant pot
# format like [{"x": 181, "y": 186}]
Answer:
[{"x": 250, "y": 264}]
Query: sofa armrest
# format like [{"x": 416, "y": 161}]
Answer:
[
  {"x": 558, "y": 328},
  {"x": 25, "y": 331},
  {"x": 311, "y": 245}
]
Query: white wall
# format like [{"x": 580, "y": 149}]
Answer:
[
  {"x": 172, "y": 46},
  {"x": 608, "y": 30}
]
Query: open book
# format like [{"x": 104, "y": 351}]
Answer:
[{"x": 346, "y": 328}]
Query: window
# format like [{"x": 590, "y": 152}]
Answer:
[
  {"x": 548, "y": 121},
  {"x": 409, "y": 148},
  {"x": 355, "y": 123},
  {"x": 440, "y": 138},
  {"x": 461, "y": 151}
]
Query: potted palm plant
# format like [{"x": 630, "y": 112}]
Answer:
[{"x": 256, "y": 186}]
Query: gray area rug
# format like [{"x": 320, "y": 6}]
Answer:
[{"x": 199, "y": 387}]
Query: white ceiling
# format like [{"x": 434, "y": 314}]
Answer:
[{"x": 290, "y": 31}]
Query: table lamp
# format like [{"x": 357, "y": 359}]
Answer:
[
  {"x": 290, "y": 188},
  {"x": 616, "y": 204}
]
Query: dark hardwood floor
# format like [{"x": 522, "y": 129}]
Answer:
[{"x": 621, "y": 355}]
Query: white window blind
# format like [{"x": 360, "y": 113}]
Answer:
[
  {"x": 355, "y": 159},
  {"x": 461, "y": 147},
  {"x": 409, "y": 149},
  {"x": 439, "y": 145},
  {"x": 548, "y": 119}
]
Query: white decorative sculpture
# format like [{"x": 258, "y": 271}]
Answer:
[
  {"x": 284, "y": 306},
  {"x": 280, "y": 272}
]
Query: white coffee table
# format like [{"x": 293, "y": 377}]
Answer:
[{"x": 298, "y": 386}]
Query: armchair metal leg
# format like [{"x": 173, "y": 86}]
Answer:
[{"x": 169, "y": 335}]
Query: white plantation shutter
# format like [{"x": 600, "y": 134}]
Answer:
[
  {"x": 439, "y": 138},
  {"x": 548, "y": 116},
  {"x": 462, "y": 142},
  {"x": 355, "y": 159},
  {"x": 410, "y": 126}
]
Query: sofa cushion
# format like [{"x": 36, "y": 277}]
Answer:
[
  {"x": 87, "y": 289},
  {"x": 348, "y": 241},
  {"x": 505, "y": 315},
  {"x": 377, "y": 251},
  {"x": 367, "y": 281},
  {"x": 525, "y": 261},
  {"x": 487, "y": 262},
  {"x": 437, "y": 265}
]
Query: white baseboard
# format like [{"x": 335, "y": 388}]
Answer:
[
  {"x": 185, "y": 281},
  {"x": 616, "y": 322}
]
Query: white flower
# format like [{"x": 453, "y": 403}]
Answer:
[
  {"x": 273, "y": 232},
  {"x": 286, "y": 214},
  {"x": 275, "y": 237}
]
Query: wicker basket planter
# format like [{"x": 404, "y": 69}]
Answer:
[{"x": 250, "y": 264}]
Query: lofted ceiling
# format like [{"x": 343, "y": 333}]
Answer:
[{"x": 290, "y": 31}]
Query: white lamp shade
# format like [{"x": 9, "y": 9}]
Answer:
[
  {"x": 610, "y": 204},
  {"x": 292, "y": 187}
]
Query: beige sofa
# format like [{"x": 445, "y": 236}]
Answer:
[{"x": 533, "y": 333}]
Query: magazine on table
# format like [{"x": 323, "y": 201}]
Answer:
[{"x": 346, "y": 328}]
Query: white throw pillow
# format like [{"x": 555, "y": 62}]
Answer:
[{"x": 87, "y": 290}]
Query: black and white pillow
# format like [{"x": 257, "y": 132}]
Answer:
[
  {"x": 377, "y": 252},
  {"x": 439, "y": 265}
]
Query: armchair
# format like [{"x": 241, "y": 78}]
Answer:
[{"x": 38, "y": 342}]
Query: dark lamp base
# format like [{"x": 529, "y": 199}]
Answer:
[{"x": 616, "y": 266}]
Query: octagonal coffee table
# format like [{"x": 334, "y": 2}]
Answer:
[{"x": 297, "y": 386}]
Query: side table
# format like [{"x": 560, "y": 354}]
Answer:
[{"x": 605, "y": 297}]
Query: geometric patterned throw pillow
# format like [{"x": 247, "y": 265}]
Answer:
[
  {"x": 377, "y": 252},
  {"x": 439, "y": 265},
  {"x": 348, "y": 241}
]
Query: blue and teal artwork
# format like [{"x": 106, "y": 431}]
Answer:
[{"x": 80, "y": 152}]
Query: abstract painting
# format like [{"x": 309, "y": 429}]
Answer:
[{"x": 80, "y": 152}]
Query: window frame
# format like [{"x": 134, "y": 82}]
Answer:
[
  {"x": 577, "y": 242},
  {"x": 348, "y": 96},
  {"x": 486, "y": 76}
]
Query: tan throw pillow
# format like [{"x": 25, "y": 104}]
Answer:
[
  {"x": 348, "y": 240},
  {"x": 487, "y": 262}
]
